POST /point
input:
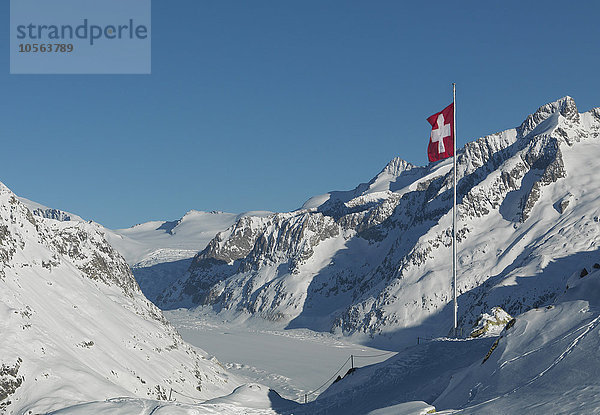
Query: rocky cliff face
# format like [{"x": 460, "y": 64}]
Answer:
[
  {"x": 49, "y": 213},
  {"x": 75, "y": 326},
  {"x": 377, "y": 259}
]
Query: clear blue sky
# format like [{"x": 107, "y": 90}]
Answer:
[{"x": 260, "y": 105}]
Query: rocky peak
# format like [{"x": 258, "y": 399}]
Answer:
[
  {"x": 396, "y": 166},
  {"x": 568, "y": 109},
  {"x": 80, "y": 243},
  {"x": 564, "y": 106}
]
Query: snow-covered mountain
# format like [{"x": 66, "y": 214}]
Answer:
[
  {"x": 75, "y": 327},
  {"x": 376, "y": 260}
]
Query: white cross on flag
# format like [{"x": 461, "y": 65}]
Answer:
[{"x": 441, "y": 142}]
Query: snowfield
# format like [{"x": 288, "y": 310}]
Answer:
[{"x": 546, "y": 363}]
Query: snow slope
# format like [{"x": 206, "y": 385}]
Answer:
[
  {"x": 373, "y": 262},
  {"x": 75, "y": 326},
  {"x": 545, "y": 361},
  {"x": 419, "y": 373},
  {"x": 249, "y": 399}
]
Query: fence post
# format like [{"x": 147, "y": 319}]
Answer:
[
  {"x": 305, "y": 398},
  {"x": 352, "y": 359},
  {"x": 170, "y": 392}
]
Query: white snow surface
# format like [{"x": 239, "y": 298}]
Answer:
[
  {"x": 546, "y": 363},
  {"x": 406, "y": 408},
  {"x": 292, "y": 362},
  {"x": 248, "y": 399}
]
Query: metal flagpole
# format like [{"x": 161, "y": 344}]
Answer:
[{"x": 454, "y": 214}]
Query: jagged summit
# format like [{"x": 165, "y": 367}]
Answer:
[
  {"x": 396, "y": 166},
  {"x": 379, "y": 187},
  {"x": 564, "y": 106}
]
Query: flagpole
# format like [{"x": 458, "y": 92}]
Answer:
[{"x": 454, "y": 215}]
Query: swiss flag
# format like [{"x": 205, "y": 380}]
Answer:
[{"x": 441, "y": 141}]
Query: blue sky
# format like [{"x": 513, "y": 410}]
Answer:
[{"x": 260, "y": 105}]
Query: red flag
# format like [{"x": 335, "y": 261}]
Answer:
[{"x": 441, "y": 141}]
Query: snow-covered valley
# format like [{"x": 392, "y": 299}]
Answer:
[{"x": 293, "y": 362}]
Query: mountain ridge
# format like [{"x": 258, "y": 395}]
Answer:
[{"x": 359, "y": 251}]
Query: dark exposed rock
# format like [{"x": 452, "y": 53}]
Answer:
[
  {"x": 10, "y": 381},
  {"x": 52, "y": 214},
  {"x": 563, "y": 206},
  {"x": 92, "y": 254}
]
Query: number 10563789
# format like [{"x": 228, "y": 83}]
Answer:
[{"x": 46, "y": 47}]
